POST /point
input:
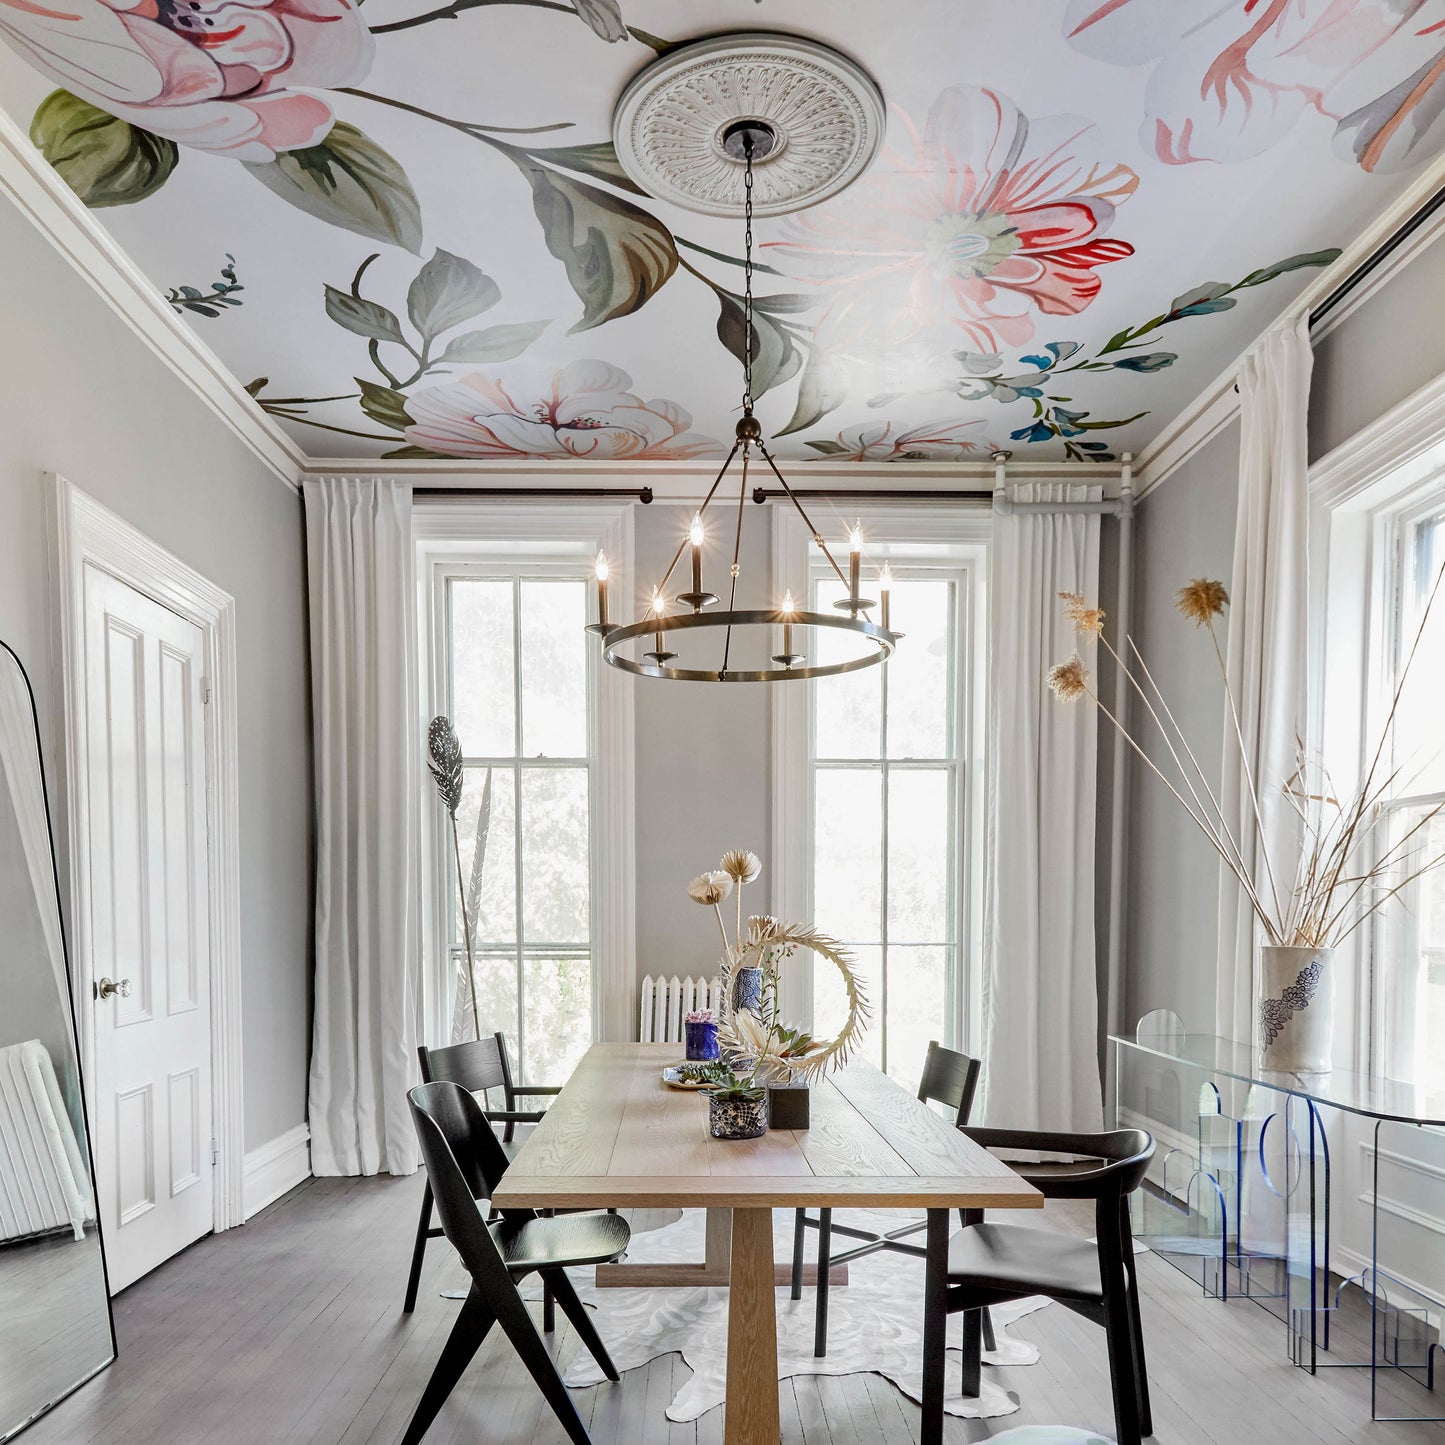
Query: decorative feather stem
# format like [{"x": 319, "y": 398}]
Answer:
[{"x": 445, "y": 764}]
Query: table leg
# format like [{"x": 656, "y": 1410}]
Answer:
[
  {"x": 935, "y": 1326},
  {"x": 718, "y": 1243},
  {"x": 751, "y": 1416}
]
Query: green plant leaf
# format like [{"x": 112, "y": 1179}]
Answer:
[
  {"x": 447, "y": 291},
  {"x": 1292, "y": 263},
  {"x": 827, "y": 448},
  {"x": 384, "y": 405},
  {"x": 775, "y": 357},
  {"x": 598, "y": 160},
  {"x": 1106, "y": 425},
  {"x": 784, "y": 303},
  {"x": 617, "y": 256},
  {"x": 105, "y": 161},
  {"x": 347, "y": 180},
  {"x": 822, "y": 389},
  {"x": 363, "y": 317},
  {"x": 495, "y": 343},
  {"x": 420, "y": 453}
]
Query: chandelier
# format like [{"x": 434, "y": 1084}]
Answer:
[{"x": 739, "y": 74}]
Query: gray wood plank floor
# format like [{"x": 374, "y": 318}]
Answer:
[{"x": 290, "y": 1331}]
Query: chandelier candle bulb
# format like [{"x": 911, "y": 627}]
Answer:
[
  {"x": 695, "y": 537},
  {"x": 855, "y": 559},
  {"x": 787, "y": 626},
  {"x": 602, "y": 588},
  {"x": 885, "y": 593}
]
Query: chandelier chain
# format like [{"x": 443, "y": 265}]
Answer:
[{"x": 747, "y": 274}]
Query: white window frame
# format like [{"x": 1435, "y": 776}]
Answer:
[
  {"x": 452, "y": 538},
  {"x": 948, "y": 535},
  {"x": 1361, "y": 497}
]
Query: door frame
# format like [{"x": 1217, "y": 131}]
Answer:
[{"x": 84, "y": 533}]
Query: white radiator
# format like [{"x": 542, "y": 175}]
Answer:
[
  {"x": 44, "y": 1185},
  {"x": 666, "y": 1000}
]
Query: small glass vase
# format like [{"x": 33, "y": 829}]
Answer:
[
  {"x": 701, "y": 1040},
  {"x": 738, "y": 1116}
]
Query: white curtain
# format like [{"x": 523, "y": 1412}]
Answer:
[
  {"x": 1268, "y": 645},
  {"x": 1041, "y": 1049},
  {"x": 367, "y": 762}
]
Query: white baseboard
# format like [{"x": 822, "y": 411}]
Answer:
[{"x": 274, "y": 1167}]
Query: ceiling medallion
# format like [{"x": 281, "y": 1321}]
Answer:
[{"x": 825, "y": 113}]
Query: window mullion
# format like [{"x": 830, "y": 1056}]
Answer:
[
  {"x": 517, "y": 825},
  {"x": 883, "y": 882}
]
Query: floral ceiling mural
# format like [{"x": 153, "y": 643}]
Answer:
[{"x": 404, "y": 228}]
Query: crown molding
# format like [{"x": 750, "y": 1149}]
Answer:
[
  {"x": 683, "y": 481},
  {"x": 1218, "y": 404},
  {"x": 55, "y": 211}
]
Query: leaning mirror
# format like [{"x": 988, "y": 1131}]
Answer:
[{"x": 55, "y": 1321}]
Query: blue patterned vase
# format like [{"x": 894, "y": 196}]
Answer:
[{"x": 747, "y": 989}]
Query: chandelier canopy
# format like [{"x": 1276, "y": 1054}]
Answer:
[{"x": 743, "y": 142}]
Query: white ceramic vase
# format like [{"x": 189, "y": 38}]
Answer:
[{"x": 1295, "y": 1015}]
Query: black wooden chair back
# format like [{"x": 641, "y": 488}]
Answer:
[
  {"x": 477, "y": 1065},
  {"x": 458, "y": 1147},
  {"x": 949, "y": 1078}
]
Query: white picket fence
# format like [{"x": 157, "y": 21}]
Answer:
[{"x": 666, "y": 1000}]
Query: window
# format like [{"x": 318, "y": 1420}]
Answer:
[
  {"x": 1410, "y": 981},
  {"x": 501, "y": 588},
  {"x": 517, "y": 686},
  {"x": 879, "y": 787}
]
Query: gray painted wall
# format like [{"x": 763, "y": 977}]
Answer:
[
  {"x": 1183, "y": 529},
  {"x": 1381, "y": 353},
  {"x": 703, "y": 755},
  {"x": 81, "y": 396}
]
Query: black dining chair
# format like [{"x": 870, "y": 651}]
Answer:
[
  {"x": 464, "y": 1163},
  {"x": 949, "y": 1078},
  {"x": 991, "y": 1264},
  {"x": 479, "y": 1066}
]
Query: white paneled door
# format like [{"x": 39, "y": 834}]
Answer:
[{"x": 148, "y": 929}]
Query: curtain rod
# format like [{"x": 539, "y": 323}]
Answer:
[
  {"x": 1376, "y": 258},
  {"x": 643, "y": 494},
  {"x": 880, "y": 494}
]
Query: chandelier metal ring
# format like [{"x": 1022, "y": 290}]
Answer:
[{"x": 616, "y": 637}]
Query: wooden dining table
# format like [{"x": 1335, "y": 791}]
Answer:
[{"x": 618, "y": 1137}]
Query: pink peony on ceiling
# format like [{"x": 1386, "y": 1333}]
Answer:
[{"x": 404, "y": 229}]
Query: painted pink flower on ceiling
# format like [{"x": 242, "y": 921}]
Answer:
[
  {"x": 980, "y": 223},
  {"x": 584, "y": 410},
  {"x": 220, "y": 75},
  {"x": 935, "y": 441},
  {"x": 1228, "y": 84}
]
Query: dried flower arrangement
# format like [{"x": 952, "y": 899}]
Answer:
[
  {"x": 1344, "y": 872},
  {"x": 775, "y": 1052}
]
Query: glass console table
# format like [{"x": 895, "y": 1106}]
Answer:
[{"x": 1239, "y": 1194}]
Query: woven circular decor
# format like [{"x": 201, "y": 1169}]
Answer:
[{"x": 824, "y": 111}]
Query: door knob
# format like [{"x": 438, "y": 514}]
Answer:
[{"x": 110, "y": 988}]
